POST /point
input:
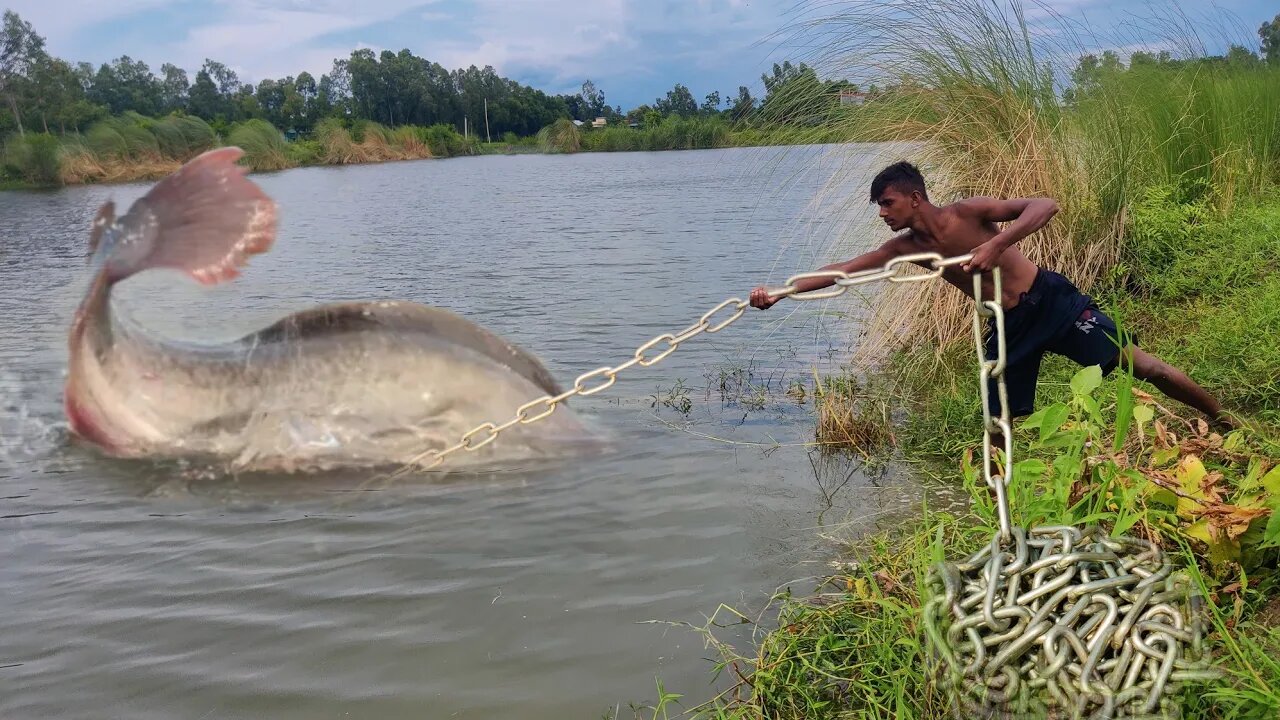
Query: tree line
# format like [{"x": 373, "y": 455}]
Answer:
[{"x": 49, "y": 94}]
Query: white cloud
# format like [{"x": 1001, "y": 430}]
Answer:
[
  {"x": 565, "y": 38},
  {"x": 275, "y": 38}
]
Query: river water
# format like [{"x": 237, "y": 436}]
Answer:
[{"x": 142, "y": 590}]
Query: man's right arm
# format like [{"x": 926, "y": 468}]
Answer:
[{"x": 900, "y": 245}]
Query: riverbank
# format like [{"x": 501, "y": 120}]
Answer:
[{"x": 134, "y": 148}]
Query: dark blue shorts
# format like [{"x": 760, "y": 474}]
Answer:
[{"x": 1053, "y": 316}]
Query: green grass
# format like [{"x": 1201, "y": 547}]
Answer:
[
  {"x": 265, "y": 149},
  {"x": 32, "y": 159}
]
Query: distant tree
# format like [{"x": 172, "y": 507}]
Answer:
[
  {"x": 1142, "y": 59},
  {"x": 679, "y": 101},
  {"x": 593, "y": 101},
  {"x": 173, "y": 87},
  {"x": 52, "y": 93},
  {"x": 127, "y": 84},
  {"x": 711, "y": 105},
  {"x": 1090, "y": 71},
  {"x": 212, "y": 94},
  {"x": 794, "y": 94},
  {"x": 20, "y": 49},
  {"x": 744, "y": 104},
  {"x": 1241, "y": 56},
  {"x": 1270, "y": 35}
]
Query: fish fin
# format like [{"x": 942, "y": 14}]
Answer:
[
  {"x": 105, "y": 217},
  {"x": 205, "y": 219}
]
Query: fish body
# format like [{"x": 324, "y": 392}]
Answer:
[{"x": 341, "y": 385}]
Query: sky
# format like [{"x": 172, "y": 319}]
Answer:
[{"x": 633, "y": 50}]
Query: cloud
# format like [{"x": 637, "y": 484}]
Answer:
[{"x": 275, "y": 38}]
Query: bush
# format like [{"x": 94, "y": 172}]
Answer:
[
  {"x": 264, "y": 147},
  {"x": 34, "y": 158},
  {"x": 305, "y": 152},
  {"x": 445, "y": 141}
]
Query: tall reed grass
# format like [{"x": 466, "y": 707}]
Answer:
[
  {"x": 561, "y": 136},
  {"x": 265, "y": 148},
  {"x": 134, "y": 147}
]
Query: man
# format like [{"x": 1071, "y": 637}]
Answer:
[{"x": 1043, "y": 310}]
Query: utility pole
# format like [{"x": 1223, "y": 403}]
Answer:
[
  {"x": 486, "y": 121},
  {"x": 465, "y": 134}
]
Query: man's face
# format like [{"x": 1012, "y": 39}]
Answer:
[{"x": 896, "y": 209}]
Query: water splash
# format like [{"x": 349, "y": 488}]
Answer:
[{"x": 26, "y": 436}]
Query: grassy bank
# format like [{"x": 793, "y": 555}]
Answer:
[
  {"x": 1167, "y": 175},
  {"x": 676, "y": 133},
  {"x": 133, "y": 147}
]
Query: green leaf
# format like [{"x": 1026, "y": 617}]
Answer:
[
  {"x": 1124, "y": 410},
  {"x": 1034, "y": 419},
  {"x": 1271, "y": 536},
  {"x": 1220, "y": 551},
  {"x": 1253, "y": 477},
  {"x": 1271, "y": 482},
  {"x": 1030, "y": 469},
  {"x": 1162, "y": 496},
  {"x": 1091, "y": 406},
  {"x": 1233, "y": 441},
  {"x": 1124, "y": 523},
  {"x": 1086, "y": 381},
  {"x": 1163, "y": 457},
  {"x": 1054, "y": 416},
  {"x": 1064, "y": 438},
  {"x": 1143, "y": 413}
]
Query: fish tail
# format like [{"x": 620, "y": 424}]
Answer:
[{"x": 205, "y": 219}]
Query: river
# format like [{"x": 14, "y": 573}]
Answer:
[{"x": 143, "y": 590}]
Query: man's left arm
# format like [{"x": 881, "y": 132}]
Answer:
[{"x": 1024, "y": 215}]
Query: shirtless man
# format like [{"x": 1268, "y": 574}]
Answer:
[{"x": 1043, "y": 310}]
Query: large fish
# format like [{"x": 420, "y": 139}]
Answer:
[{"x": 353, "y": 384}]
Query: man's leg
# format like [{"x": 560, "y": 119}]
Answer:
[{"x": 1173, "y": 382}]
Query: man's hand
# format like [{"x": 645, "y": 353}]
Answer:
[
  {"x": 986, "y": 256},
  {"x": 760, "y": 298}
]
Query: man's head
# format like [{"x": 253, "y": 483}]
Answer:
[{"x": 899, "y": 191}]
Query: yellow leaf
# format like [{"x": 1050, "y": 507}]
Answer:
[
  {"x": 1190, "y": 473},
  {"x": 1221, "y": 549},
  {"x": 1160, "y": 458},
  {"x": 862, "y": 589}
]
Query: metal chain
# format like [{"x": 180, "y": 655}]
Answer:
[
  {"x": 1065, "y": 618},
  {"x": 604, "y": 377},
  {"x": 987, "y": 370}
]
